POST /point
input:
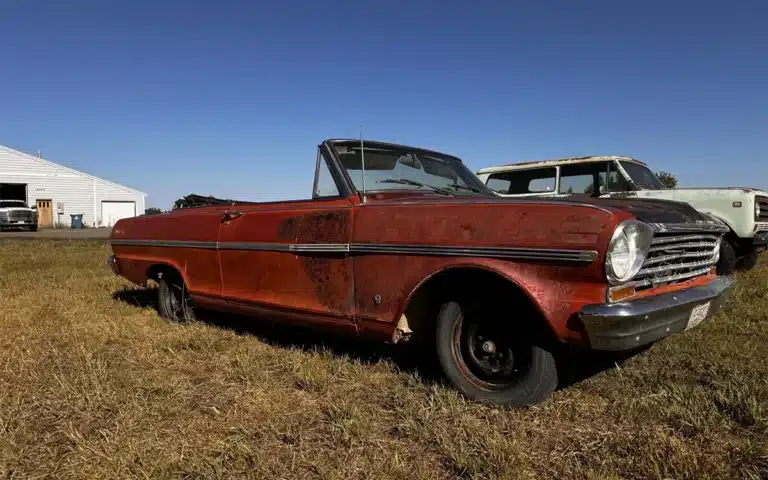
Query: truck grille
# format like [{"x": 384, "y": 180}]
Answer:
[
  {"x": 676, "y": 257},
  {"x": 20, "y": 215},
  {"x": 763, "y": 202}
]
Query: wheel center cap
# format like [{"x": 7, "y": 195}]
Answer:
[{"x": 489, "y": 347}]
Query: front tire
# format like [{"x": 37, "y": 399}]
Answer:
[
  {"x": 491, "y": 361},
  {"x": 174, "y": 300},
  {"x": 728, "y": 258}
]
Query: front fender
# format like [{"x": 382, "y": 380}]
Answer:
[
  {"x": 555, "y": 292},
  {"x": 476, "y": 265}
]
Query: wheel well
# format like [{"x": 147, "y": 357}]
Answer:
[
  {"x": 477, "y": 289},
  {"x": 162, "y": 269}
]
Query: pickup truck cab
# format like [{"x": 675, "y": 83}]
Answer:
[
  {"x": 743, "y": 210},
  {"x": 16, "y": 214},
  {"x": 404, "y": 244}
]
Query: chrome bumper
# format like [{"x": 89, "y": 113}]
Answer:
[
  {"x": 761, "y": 238},
  {"x": 18, "y": 223},
  {"x": 627, "y": 325}
]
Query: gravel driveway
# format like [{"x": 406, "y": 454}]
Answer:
[{"x": 60, "y": 233}]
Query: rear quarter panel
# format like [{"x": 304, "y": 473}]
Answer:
[{"x": 199, "y": 266}]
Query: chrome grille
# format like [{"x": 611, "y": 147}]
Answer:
[
  {"x": 19, "y": 215},
  {"x": 676, "y": 257},
  {"x": 763, "y": 202}
]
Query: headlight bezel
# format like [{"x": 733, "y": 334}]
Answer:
[
  {"x": 639, "y": 236},
  {"x": 757, "y": 209}
]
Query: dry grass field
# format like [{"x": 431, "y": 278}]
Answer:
[{"x": 92, "y": 386}]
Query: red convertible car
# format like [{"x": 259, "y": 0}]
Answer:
[{"x": 400, "y": 243}]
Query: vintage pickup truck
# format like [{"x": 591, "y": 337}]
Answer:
[
  {"x": 399, "y": 243},
  {"x": 743, "y": 210}
]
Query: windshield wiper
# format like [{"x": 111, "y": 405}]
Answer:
[{"x": 403, "y": 181}]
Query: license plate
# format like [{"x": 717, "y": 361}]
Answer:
[{"x": 698, "y": 315}]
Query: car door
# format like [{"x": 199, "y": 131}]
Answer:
[{"x": 292, "y": 258}]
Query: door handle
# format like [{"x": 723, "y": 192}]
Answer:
[{"x": 231, "y": 216}]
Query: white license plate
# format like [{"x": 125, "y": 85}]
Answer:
[{"x": 698, "y": 315}]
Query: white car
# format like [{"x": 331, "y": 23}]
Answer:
[
  {"x": 743, "y": 210},
  {"x": 16, "y": 214}
]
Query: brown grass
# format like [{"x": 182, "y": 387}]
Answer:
[{"x": 94, "y": 387}]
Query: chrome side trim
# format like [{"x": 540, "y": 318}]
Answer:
[
  {"x": 166, "y": 243},
  {"x": 320, "y": 247},
  {"x": 536, "y": 254},
  {"x": 542, "y": 254},
  {"x": 255, "y": 246},
  {"x": 688, "y": 227}
]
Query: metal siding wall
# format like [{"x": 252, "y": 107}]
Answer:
[
  {"x": 48, "y": 182},
  {"x": 75, "y": 192}
]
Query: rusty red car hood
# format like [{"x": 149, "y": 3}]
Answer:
[{"x": 644, "y": 209}]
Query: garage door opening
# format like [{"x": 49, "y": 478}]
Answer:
[
  {"x": 111, "y": 212},
  {"x": 13, "y": 191}
]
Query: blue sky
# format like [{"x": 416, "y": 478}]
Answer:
[{"x": 230, "y": 98}]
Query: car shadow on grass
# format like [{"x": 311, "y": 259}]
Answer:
[
  {"x": 573, "y": 367},
  {"x": 405, "y": 357}
]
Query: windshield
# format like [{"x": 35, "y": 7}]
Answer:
[
  {"x": 642, "y": 176},
  {"x": 398, "y": 168},
  {"x": 12, "y": 203}
]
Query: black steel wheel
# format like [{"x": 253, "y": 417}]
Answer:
[
  {"x": 493, "y": 360},
  {"x": 174, "y": 300}
]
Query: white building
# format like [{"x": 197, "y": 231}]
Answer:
[{"x": 59, "y": 192}]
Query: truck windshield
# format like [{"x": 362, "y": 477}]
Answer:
[
  {"x": 12, "y": 204},
  {"x": 642, "y": 176},
  {"x": 402, "y": 169}
]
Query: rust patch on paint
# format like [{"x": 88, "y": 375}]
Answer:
[{"x": 329, "y": 272}]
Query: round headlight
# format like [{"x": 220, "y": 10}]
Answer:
[
  {"x": 627, "y": 251},
  {"x": 757, "y": 209}
]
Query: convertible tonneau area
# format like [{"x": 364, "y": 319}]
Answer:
[{"x": 195, "y": 200}]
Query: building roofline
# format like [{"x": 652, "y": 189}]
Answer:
[
  {"x": 71, "y": 170},
  {"x": 558, "y": 161}
]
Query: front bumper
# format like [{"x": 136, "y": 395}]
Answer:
[
  {"x": 18, "y": 223},
  {"x": 627, "y": 325},
  {"x": 761, "y": 237}
]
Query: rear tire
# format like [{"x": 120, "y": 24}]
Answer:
[
  {"x": 728, "y": 258},
  {"x": 175, "y": 303},
  {"x": 490, "y": 360}
]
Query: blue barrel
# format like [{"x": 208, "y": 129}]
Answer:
[{"x": 77, "y": 220}]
